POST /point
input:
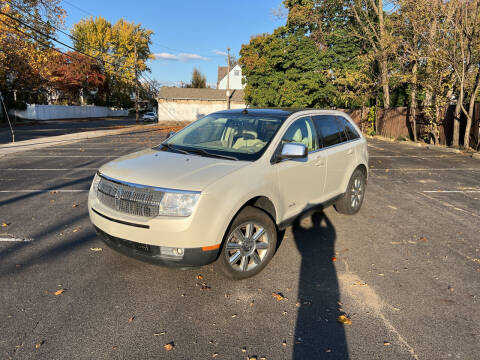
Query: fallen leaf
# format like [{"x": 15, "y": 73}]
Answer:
[
  {"x": 284, "y": 343},
  {"x": 252, "y": 358},
  {"x": 244, "y": 349},
  {"x": 160, "y": 333},
  {"x": 199, "y": 277},
  {"x": 74, "y": 205},
  {"x": 114, "y": 348},
  {"x": 205, "y": 287},
  {"x": 423, "y": 239},
  {"x": 37, "y": 345},
  {"x": 169, "y": 346},
  {"x": 52, "y": 201},
  {"x": 59, "y": 292},
  {"x": 131, "y": 319},
  {"x": 96, "y": 249},
  {"x": 5, "y": 224},
  {"x": 75, "y": 230},
  {"x": 214, "y": 355},
  {"x": 252, "y": 303},
  {"x": 278, "y": 296},
  {"x": 386, "y": 343},
  {"x": 343, "y": 319},
  {"x": 334, "y": 259}
]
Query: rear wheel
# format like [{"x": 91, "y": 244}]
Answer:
[
  {"x": 249, "y": 245},
  {"x": 352, "y": 201}
]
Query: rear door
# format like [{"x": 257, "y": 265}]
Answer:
[
  {"x": 338, "y": 152},
  {"x": 300, "y": 181}
]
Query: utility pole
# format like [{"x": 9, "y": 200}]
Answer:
[
  {"x": 228, "y": 78},
  {"x": 136, "y": 86},
  {"x": 8, "y": 118}
]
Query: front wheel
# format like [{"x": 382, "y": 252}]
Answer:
[
  {"x": 249, "y": 245},
  {"x": 352, "y": 201}
]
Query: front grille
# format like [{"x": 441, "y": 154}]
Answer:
[{"x": 128, "y": 199}]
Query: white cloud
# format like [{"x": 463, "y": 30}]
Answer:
[
  {"x": 180, "y": 57},
  {"x": 218, "y": 52}
]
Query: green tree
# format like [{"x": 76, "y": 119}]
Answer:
[{"x": 198, "y": 80}]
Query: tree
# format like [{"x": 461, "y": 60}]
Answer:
[
  {"x": 198, "y": 80},
  {"x": 114, "y": 45},
  {"x": 373, "y": 28},
  {"x": 76, "y": 76},
  {"x": 24, "y": 52}
]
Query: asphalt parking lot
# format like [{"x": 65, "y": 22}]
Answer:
[{"x": 405, "y": 270}]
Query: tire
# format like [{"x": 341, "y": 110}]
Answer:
[
  {"x": 244, "y": 256},
  {"x": 352, "y": 201}
]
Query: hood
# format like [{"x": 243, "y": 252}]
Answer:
[{"x": 170, "y": 170}]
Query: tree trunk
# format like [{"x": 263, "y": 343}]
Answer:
[
  {"x": 456, "y": 118},
  {"x": 413, "y": 101},
  {"x": 383, "y": 57},
  {"x": 471, "y": 108}
]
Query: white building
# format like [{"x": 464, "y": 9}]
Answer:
[{"x": 235, "y": 78}]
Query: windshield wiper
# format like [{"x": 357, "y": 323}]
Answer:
[
  {"x": 173, "y": 148},
  {"x": 206, "y": 153}
]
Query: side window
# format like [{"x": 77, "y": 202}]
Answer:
[
  {"x": 329, "y": 129},
  {"x": 350, "y": 130},
  {"x": 302, "y": 131}
]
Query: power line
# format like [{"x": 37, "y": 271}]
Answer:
[{"x": 56, "y": 40}]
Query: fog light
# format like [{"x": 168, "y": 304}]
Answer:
[{"x": 171, "y": 252}]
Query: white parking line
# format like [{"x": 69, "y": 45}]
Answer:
[
  {"x": 43, "y": 191},
  {"x": 15, "y": 240},
  {"x": 33, "y": 169},
  {"x": 67, "y": 156},
  {"x": 451, "y": 191},
  {"x": 427, "y": 169},
  {"x": 410, "y": 156}
]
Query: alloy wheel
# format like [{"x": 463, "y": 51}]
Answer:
[{"x": 247, "y": 246}]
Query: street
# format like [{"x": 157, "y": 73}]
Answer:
[{"x": 405, "y": 270}]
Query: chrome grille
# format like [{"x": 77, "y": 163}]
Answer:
[{"x": 128, "y": 199}]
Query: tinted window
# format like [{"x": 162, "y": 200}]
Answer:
[
  {"x": 350, "y": 130},
  {"x": 302, "y": 131},
  {"x": 329, "y": 129}
]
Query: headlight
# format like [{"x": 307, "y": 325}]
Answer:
[
  {"x": 177, "y": 204},
  {"x": 95, "y": 182}
]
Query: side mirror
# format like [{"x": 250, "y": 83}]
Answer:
[
  {"x": 293, "y": 151},
  {"x": 170, "y": 134}
]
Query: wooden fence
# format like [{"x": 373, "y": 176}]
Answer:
[{"x": 395, "y": 123}]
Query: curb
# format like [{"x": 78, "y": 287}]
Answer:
[{"x": 33, "y": 144}]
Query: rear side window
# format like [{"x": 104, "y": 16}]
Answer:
[
  {"x": 329, "y": 129},
  {"x": 350, "y": 130}
]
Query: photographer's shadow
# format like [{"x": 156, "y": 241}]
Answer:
[{"x": 318, "y": 335}]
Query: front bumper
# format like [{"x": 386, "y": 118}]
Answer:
[{"x": 193, "y": 257}]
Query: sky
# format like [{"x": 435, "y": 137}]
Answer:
[{"x": 187, "y": 33}]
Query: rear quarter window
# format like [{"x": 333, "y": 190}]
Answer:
[{"x": 350, "y": 130}]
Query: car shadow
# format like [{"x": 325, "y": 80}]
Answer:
[{"x": 318, "y": 335}]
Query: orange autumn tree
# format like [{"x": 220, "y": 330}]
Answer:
[{"x": 24, "y": 53}]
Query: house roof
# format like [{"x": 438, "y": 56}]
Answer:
[
  {"x": 222, "y": 72},
  {"x": 173, "y": 93}
]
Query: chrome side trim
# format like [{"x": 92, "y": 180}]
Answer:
[
  {"x": 140, "y": 186},
  {"x": 332, "y": 146}
]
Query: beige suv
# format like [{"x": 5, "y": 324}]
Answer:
[{"x": 221, "y": 188}]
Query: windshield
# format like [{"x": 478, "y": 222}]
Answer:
[{"x": 235, "y": 136}]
